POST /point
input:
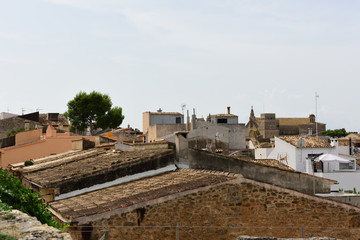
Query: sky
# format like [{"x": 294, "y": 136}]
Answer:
[{"x": 207, "y": 54}]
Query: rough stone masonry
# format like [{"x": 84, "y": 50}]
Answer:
[{"x": 23, "y": 227}]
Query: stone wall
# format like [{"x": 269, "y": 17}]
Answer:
[
  {"x": 353, "y": 199},
  {"x": 226, "y": 211},
  {"x": 10, "y": 124},
  {"x": 21, "y": 226}
]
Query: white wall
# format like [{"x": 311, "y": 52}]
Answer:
[
  {"x": 5, "y": 115},
  {"x": 284, "y": 149},
  {"x": 234, "y": 134},
  {"x": 298, "y": 157},
  {"x": 164, "y": 119},
  {"x": 264, "y": 153},
  {"x": 230, "y": 120},
  {"x": 344, "y": 150},
  {"x": 347, "y": 180},
  {"x": 211, "y": 131}
]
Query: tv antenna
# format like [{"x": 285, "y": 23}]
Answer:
[
  {"x": 183, "y": 107},
  {"x": 316, "y": 115}
]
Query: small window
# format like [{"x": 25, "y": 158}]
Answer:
[
  {"x": 222, "y": 120},
  {"x": 178, "y": 120}
]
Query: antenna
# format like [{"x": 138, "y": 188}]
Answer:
[
  {"x": 183, "y": 107},
  {"x": 316, "y": 115}
]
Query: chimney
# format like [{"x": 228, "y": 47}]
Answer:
[{"x": 228, "y": 108}]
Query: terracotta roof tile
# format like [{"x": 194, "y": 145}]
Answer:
[
  {"x": 131, "y": 193},
  {"x": 310, "y": 142},
  {"x": 86, "y": 163}
]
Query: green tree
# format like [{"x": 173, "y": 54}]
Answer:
[
  {"x": 15, "y": 195},
  {"x": 93, "y": 110},
  {"x": 335, "y": 133}
]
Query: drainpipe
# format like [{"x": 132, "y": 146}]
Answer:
[{"x": 349, "y": 145}]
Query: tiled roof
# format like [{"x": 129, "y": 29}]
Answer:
[
  {"x": 310, "y": 142},
  {"x": 61, "y": 120},
  {"x": 86, "y": 163},
  {"x": 269, "y": 162},
  {"x": 127, "y": 194},
  {"x": 353, "y": 135}
]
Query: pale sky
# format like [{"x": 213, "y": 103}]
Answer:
[{"x": 207, "y": 54}]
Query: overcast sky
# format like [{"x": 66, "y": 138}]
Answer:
[{"x": 207, "y": 54}]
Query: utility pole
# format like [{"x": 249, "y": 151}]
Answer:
[{"x": 316, "y": 116}]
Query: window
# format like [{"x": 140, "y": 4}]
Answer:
[
  {"x": 222, "y": 120},
  {"x": 178, "y": 120},
  {"x": 53, "y": 116},
  {"x": 347, "y": 166}
]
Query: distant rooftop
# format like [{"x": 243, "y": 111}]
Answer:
[
  {"x": 165, "y": 113},
  {"x": 223, "y": 115},
  {"x": 309, "y": 141},
  {"x": 53, "y": 119},
  {"x": 270, "y": 162}
]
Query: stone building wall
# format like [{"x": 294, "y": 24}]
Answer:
[
  {"x": 229, "y": 210},
  {"x": 11, "y": 124}
]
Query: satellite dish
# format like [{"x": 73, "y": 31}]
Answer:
[
  {"x": 301, "y": 143},
  {"x": 356, "y": 150}
]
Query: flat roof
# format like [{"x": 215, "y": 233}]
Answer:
[
  {"x": 165, "y": 113},
  {"x": 143, "y": 190},
  {"x": 223, "y": 115}
]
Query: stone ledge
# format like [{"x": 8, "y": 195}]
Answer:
[{"x": 24, "y": 227}]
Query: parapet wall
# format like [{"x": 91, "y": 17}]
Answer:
[{"x": 289, "y": 179}]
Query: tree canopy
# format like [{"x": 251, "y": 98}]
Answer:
[
  {"x": 93, "y": 110},
  {"x": 335, "y": 133}
]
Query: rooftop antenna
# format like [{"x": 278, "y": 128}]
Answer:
[
  {"x": 316, "y": 115},
  {"x": 38, "y": 109},
  {"x": 183, "y": 107}
]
